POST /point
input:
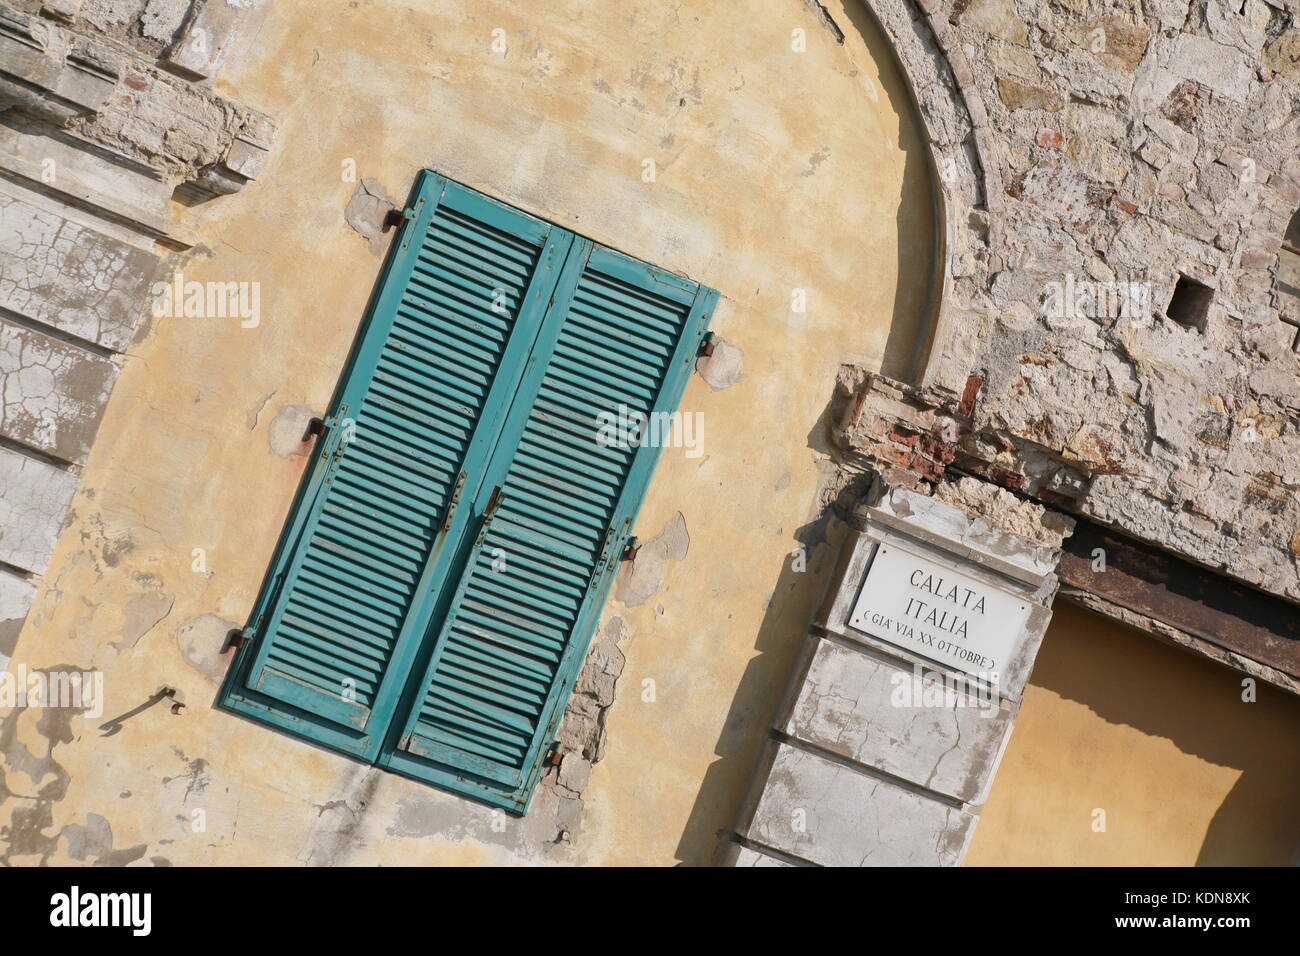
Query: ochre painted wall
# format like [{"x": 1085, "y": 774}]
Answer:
[
  {"x": 776, "y": 171},
  {"x": 1186, "y": 771}
]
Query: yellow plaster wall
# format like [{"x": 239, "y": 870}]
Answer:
[
  {"x": 1185, "y": 770},
  {"x": 776, "y": 171}
]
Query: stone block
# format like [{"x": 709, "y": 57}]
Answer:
[
  {"x": 825, "y": 813},
  {"x": 898, "y": 721},
  {"x": 72, "y": 278},
  {"x": 203, "y": 42},
  {"x": 16, "y": 596},
  {"x": 34, "y": 500},
  {"x": 1204, "y": 61},
  {"x": 44, "y": 73},
  {"x": 61, "y": 9},
  {"x": 52, "y": 393}
]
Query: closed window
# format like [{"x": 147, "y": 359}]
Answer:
[{"x": 443, "y": 567}]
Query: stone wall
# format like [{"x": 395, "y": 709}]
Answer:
[
  {"x": 1121, "y": 150},
  {"x": 106, "y": 117}
]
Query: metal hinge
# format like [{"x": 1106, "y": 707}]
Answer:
[
  {"x": 608, "y": 555},
  {"x": 455, "y": 500},
  {"x": 396, "y": 217}
]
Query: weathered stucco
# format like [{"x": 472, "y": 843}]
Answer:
[
  {"x": 187, "y": 484},
  {"x": 1186, "y": 769},
  {"x": 781, "y": 159}
]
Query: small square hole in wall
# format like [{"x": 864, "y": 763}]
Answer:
[{"x": 1190, "y": 304}]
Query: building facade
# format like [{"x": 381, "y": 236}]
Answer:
[{"x": 1004, "y": 350}]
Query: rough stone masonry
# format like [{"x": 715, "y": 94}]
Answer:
[{"x": 1118, "y": 181}]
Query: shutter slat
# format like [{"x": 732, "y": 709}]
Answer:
[
  {"x": 421, "y": 382},
  {"x": 514, "y": 630}
]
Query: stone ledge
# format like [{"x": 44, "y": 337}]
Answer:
[
  {"x": 16, "y": 595},
  {"x": 816, "y": 810},
  {"x": 32, "y": 509},
  {"x": 880, "y": 715}
]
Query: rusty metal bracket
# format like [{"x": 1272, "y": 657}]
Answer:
[
  {"x": 315, "y": 427},
  {"x": 1164, "y": 587},
  {"x": 395, "y": 217},
  {"x": 707, "y": 345}
]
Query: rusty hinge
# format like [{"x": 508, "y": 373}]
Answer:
[
  {"x": 315, "y": 428},
  {"x": 554, "y": 755},
  {"x": 395, "y": 217},
  {"x": 235, "y": 639},
  {"x": 631, "y": 548},
  {"x": 707, "y": 345},
  {"x": 455, "y": 500}
]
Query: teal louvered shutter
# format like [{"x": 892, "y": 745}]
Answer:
[
  {"x": 416, "y": 418},
  {"x": 552, "y": 517}
]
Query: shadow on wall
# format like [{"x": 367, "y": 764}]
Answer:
[
  {"x": 1133, "y": 682},
  {"x": 799, "y": 590},
  {"x": 797, "y": 593},
  {"x": 920, "y": 229},
  {"x": 783, "y": 628}
]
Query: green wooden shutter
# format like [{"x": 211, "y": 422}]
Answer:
[
  {"x": 553, "y": 513},
  {"x": 417, "y": 415}
]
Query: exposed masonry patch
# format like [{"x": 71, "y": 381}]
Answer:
[
  {"x": 201, "y": 642},
  {"x": 367, "y": 210},
  {"x": 140, "y": 615},
  {"x": 1005, "y": 511},
  {"x": 94, "y": 843},
  {"x": 641, "y": 578},
  {"x": 287, "y": 428},
  {"x": 823, "y": 15},
  {"x": 32, "y": 782},
  {"x": 582, "y": 729},
  {"x": 721, "y": 369}
]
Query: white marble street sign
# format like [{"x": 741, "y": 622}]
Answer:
[{"x": 940, "y": 614}]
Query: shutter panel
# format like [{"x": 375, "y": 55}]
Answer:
[
  {"x": 416, "y": 418},
  {"x": 621, "y": 337}
]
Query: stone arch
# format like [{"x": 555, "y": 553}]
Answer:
[{"x": 964, "y": 169}]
